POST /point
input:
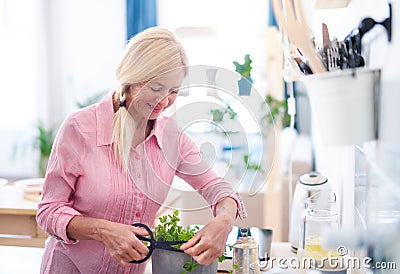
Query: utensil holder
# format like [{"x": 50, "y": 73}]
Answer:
[{"x": 345, "y": 104}]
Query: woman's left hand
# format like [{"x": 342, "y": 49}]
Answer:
[{"x": 210, "y": 242}]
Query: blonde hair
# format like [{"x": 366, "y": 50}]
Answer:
[{"x": 153, "y": 52}]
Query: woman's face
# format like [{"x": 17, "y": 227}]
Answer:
[{"x": 152, "y": 98}]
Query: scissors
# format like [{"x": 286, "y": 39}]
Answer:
[{"x": 161, "y": 244}]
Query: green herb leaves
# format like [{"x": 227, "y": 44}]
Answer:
[
  {"x": 245, "y": 68},
  {"x": 170, "y": 230},
  {"x": 190, "y": 266}
]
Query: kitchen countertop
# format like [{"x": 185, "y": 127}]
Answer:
[
  {"x": 27, "y": 259},
  {"x": 280, "y": 256},
  {"x": 280, "y": 250},
  {"x": 17, "y": 259}
]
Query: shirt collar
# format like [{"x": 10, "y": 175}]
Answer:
[{"x": 158, "y": 129}]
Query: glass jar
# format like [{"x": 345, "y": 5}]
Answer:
[{"x": 320, "y": 216}]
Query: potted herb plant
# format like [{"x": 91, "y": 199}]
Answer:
[
  {"x": 245, "y": 83},
  {"x": 218, "y": 114},
  {"x": 166, "y": 261}
]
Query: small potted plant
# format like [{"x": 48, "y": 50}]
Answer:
[
  {"x": 245, "y": 82},
  {"x": 166, "y": 261},
  {"x": 218, "y": 114}
]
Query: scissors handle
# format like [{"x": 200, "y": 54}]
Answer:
[
  {"x": 151, "y": 240},
  {"x": 147, "y": 229},
  {"x": 161, "y": 244}
]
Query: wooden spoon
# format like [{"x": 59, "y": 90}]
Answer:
[{"x": 291, "y": 20}]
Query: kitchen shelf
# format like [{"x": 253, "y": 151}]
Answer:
[{"x": 330, "y": 4}]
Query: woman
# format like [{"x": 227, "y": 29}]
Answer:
[{"x": 112, "y": 165}]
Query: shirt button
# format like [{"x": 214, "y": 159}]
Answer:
[
  {"x": 137, "y": 157},
  {"x": 139, "y": 175},
  {"x": 141, "y": 195},
  {"x": 137, "y": 214}
]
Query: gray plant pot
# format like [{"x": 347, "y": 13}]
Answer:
[{"x": 171, "y": 262}]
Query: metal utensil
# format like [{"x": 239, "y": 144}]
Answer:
[
  {"x": 305, "y": 69},
  {"x": 326, "y": 41},
  {"x": 291, "y": 20}
]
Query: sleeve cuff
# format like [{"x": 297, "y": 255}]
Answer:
[
  {"x": 241, "y": 210},
  {"x": 61, "y": 224}
]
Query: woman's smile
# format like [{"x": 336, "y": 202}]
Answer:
[{"x": 155, "y": 109}]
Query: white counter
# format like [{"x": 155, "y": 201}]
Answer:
[{"x": 27, "y": 260}]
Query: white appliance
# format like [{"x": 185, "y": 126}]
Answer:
[{"x": 306, "y": 186}]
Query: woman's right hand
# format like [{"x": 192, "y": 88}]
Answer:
[
  {"x": 119, "y": 239},
  {"x": 122, "y": 243}
]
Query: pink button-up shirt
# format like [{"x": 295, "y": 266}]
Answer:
[{"x": 83, "y": 178}]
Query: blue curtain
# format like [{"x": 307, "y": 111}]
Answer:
[
  {"x": 140, "y": 15},
  {"x": 271, "y": 17}
]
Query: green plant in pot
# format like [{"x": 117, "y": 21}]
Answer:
[
  {"x": 166, "y": 261},
  {"x": 219, "y": 113},
  {"x": 245, "y": 83},
  {"x": 43, "y": 142}
]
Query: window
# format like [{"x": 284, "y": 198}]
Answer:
[
  {"x": 52, "y": 57},
  {"x": 18, "y": 66},
  {"x": 216, "y": 33},
  {"x": 18, "y": 85}
]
